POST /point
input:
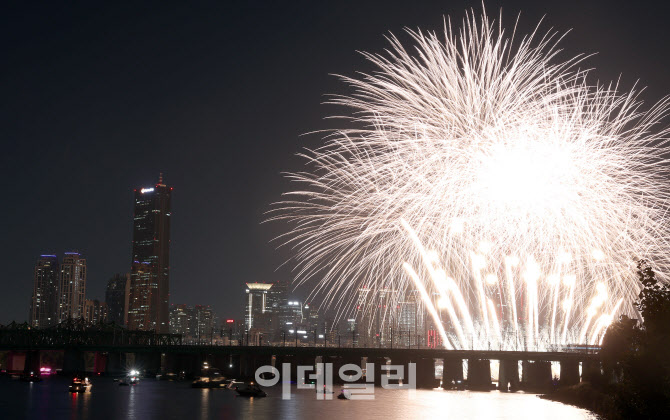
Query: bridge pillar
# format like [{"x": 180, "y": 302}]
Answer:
[
  {"x": 339, "y": 361},
  {"x": 479, "y": 374},
  {"x": 114, "y": 365},
  {"x": 279, "y": 364},
  {"x": 452, "y": 372},
  {"x": 73, "y": 361},
  {"x": 425, "y": 373},
  {"x": 591, "y": 370},
  {"x": 248, "y": 365},
  {"x": 302, "y": 360},
  {"x": 536, "y": 375},
  {"x": 378, "y": 362},
  {"x": 100, "y": 363},
  {"x": 186, "y": 364},
  {"x": 569, "y": 372},
  {"x": 168, "y": 363},
  {"x": 32, "y": 362},
  {"x": 397, "y": 360},
  {"x": 508, "y": 375},
  {"x": 16, "y": 361},
  {"x": 148, "y": 362}
]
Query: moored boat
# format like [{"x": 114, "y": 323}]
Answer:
[
  {"x": 250, "y": 390},
  {"x": 80, "y": 385}
]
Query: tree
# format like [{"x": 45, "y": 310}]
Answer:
[{"x": 640, "y": 356}]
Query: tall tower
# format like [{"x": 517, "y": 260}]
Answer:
[
  {"x": 148, "y": 305},
  {"x": 72, "y": 289},
  {"x": 255, "y": 312},
  {"x": 44, "y": 303}
]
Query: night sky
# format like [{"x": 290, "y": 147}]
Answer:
[{"x": 96, "y": 100}]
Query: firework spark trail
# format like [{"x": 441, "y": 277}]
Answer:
[{"x": 529, "y": 186}]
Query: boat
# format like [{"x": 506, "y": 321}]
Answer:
[
  {"x": 233, "y": 384},
  {"x": 132, "y": 378},
  {"x": 80, "y": 385},
  {"x": 251, "y": 390},
  {"x": 31, "y": 377},
  {"x": 344, "y": 395},
  {"x": 211, "y": 378}
]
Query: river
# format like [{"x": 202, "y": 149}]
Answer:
[{"x": 153, "y": 399}]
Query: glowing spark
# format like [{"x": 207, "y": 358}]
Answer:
[{"x": 472, "y": 154}]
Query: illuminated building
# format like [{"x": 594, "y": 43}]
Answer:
[
  {"x": 95, "y": 311},
  {"x": 203, "y": 323},
  {"x": 180, "y": 319},
  {"x": 148, "y": 305},
  {"x": 255, "y": 313},
  {"x": 44, "y": 302},
  {"x": 72, "y": 287}
]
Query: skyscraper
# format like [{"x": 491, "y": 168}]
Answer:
[
  {"x": 95, "y": 311},
  {"x": 255, "y": 313},
  {"x": 72, "y": 288},
  {"x": 148, "y": 306},
  {"x": 44, "y": 303},
  {"x": 204, "y": 321},
  {"x": 116, "y": 298},
  {"x": 180, "y": 320}
]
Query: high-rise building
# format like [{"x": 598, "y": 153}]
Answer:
[
  {"x": 72, "y": 288},
  {"x": 255, "y": 313},
  {"x": 180, "y": 320},
  {"x": 116, "y": 298},
  {"x": 148, "y": 306},
  {"x": 44, "y": 303},
  {"x": 95, "y": 311},
  {"x": 204, "y": 322},
  {"x": 410, "y": 319}
]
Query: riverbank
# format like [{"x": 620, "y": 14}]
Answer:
[{"x": 584, "y": 395}]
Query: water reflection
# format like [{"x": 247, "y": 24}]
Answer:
[
  {"x": 204, "y": 403},
  {"x": 164, "y": 399}
]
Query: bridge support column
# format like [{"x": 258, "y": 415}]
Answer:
[
  {"x": 73, "y": 361},
  {"x": 149, "y": 362},
  {"x": 186, "y": 365},
  {"x": 591, "y": 370},
  {"x": 378, "y": 362},
  {"x": 508, "y": 375},
  {"x": 338, "y": 362},
  {"x": 403, "y": 362},
  {"x": 425, "y": 373},
  {"x": 452, "y": 372},
  {"x": 569, "y": 372},
  {"x": 32, "y": 362},
  {"x": 114, "y": 364},
  {"x": 479, "y": 374},
  {"x": 168, "y": 363},
  {"x": 16, "y": 361},
  {"x": 536, "y": 375},
  {"x": 100, "y": 363},
  {"x": 308, "y": 361}
]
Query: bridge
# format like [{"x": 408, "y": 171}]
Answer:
[{"x": 112, "y": 350}]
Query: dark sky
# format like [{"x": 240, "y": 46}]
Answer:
[{"x": 98, "y": 99}]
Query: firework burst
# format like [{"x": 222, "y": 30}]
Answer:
[{"x": 491, "y": 177}]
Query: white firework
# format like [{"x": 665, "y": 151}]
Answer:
[{"x": 488, "y": 175}]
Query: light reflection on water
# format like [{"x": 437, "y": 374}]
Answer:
[{"x": 153, "y": 399}]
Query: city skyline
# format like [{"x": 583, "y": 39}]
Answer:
[{"x": 221, "y": 118}]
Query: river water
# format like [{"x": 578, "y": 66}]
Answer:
[{"x": 153, "y": 399}]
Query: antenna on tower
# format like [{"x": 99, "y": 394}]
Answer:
[{"x": 160, "y": 178}]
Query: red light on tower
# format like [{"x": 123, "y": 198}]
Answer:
[{"x": 229, "y": 321}]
